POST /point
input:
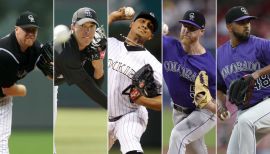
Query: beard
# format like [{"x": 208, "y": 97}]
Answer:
[{"x": 241, "y": 37}]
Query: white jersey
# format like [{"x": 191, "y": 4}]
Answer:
[{"x": 122, "y": 65}]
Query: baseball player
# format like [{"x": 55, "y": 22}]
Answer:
[
  {"x": 245, "y": 57},
  {"x": 183, "y": 61},
  {"x": 128, "y": 120},
  {"x": 20, "y": 52},
  {"x": 79, "y": 60}
]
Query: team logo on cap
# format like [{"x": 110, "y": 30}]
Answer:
[
  {"x": 191, "y": 16},
  {"x": 152, "y": 14},
  {"x": 244, "y": 10},
  {"x": 31, "y": 18},
  {"x": 88, "y": 13}
]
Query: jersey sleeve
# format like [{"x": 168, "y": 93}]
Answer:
[
  {"x": 168, "y": 43},
  {"x": 264, "y": 51},
  {"x": 157, "y": 68},
  {"x": 8, "y": 68}
]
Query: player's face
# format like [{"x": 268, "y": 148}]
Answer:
[
  {"x": 26, "y": 36},
  {"x": 84, "y": 33},
  {"x": 240, "y": 29},
  {"x": 143, "y": 28},
  {"x": 190, "y": 34}
]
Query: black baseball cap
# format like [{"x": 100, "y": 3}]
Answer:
[
  {"x": 84, "y": 15},
  {"x": 150, "y": 16},
  {"x": 27, "y": 19},
  {"x": 195, "y": 18},
  {"x": 237, "y": 13}
]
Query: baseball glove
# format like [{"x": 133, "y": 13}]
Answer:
[
  {"x": 202, "y": 94},
  {"x": 45, "y": 62},
  {"x": 240, "y": 90},
  {"x": 96, "y": 49},
  {"x": 143, "y": 84}
]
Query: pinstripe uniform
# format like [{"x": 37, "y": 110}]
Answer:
[
  {"x": 14, "y": 65},
  {"x": 128, "y": 120}
]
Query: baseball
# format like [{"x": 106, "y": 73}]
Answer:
[
  {"x": 61, "y": 33},
  {"x": 129, "y": 11},
  {"x": 226, "y": 116},
  {"x": 165, "y": 29}
]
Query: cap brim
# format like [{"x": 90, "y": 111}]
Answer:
[
  {"x": 147, "y": 16},
  {"x": 191, "y": 23},
  {"x": 84, "y": 20},
  {"x": 29, "y": 26},
  {"x": 245, "y": 17}
]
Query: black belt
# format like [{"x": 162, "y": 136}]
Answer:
[
  {"x": 115, "y": 119},
  {"x": 182, "y": 109}
]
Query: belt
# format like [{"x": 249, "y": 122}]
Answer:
[
  {"x": 182, "y": 109},
  {"x": 115, "y": 119}
]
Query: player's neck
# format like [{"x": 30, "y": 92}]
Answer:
[
  {"x": 234, "y": 42},
  {"x": 134, "y": 41},
  {"x": 81, "y": 47},
  {"x": 23, "y": 47},
  {"x": 194, "y": 49}
]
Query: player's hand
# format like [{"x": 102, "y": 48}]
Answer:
[
  {"x": 151, "y": 103},
  {"x": 165, "y": 29},
  {"x": 15, "y": 90},
  {"x": 222, "y": 112},
  {"x": 98, "y": 66},
  {"x": 119, "y": 15}
]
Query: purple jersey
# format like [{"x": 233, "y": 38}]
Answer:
[
  {"x": 180, "y": 71},
  {"x": 246, "y": 58}
]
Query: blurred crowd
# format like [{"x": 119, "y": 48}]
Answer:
[
  {"x": 173, "y": 11},
  {"x": 259, "y": 8}
]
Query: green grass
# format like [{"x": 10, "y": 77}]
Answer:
[
  {"x": 81, "y": 131},
  {"x": 168, "y": 125},
  {"x": 31, "y": 142}
]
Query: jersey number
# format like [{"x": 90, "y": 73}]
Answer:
[{"x": 262, "y": 82}]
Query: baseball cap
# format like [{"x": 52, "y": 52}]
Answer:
[
  {"x": 84, "y": 15},
  {"x": 195, "y": 18},
  {"x": 237, "y": 13},
  {"x": 27, "y": 19},
  {"x": 150, "y": 16}
]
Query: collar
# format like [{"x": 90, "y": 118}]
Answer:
[{"x": 133, "y": 48}]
